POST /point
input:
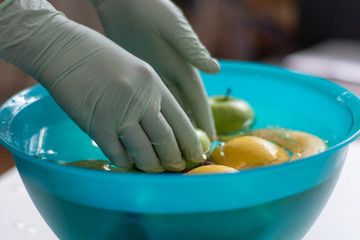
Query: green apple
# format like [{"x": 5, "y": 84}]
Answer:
[
  {"x": 231, "y": 114},
  {"x": 206, "y": 145}
]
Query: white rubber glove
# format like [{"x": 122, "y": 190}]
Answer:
[
  {"x": 157, "y": 32},
  {"x": 116, "y": 98}
]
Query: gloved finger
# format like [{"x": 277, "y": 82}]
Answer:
[
  {"x": 162, "y": 139},
  {"x": 176, "y": 92},
  {"x": 173, "y": 87},
  {"x": 113, "y": 149},
  {"x": 140, "y": 149},
  {"x": 193, "y": 92},
  {"x": 185, "y": 133},
  {"x": 183, "y": 38}
]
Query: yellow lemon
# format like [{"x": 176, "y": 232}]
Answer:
[
  {"x": 248, "y": 152},
  {"x": 208, "y": 169}
]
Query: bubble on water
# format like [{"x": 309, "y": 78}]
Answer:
[
  {"x": 106, "y": 167},
  {"x": 51, "y": 151},
  {"x": 320, "y": 150},
  {"x": 94, "y": 143}
]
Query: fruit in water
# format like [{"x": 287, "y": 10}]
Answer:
[
  {"x": 231, "y": 114},
  {"x": 205, "y": 144},
  {"x": 249, "y": 152},
  {"x": 204, "y": 140},
  {"x": 210, "y": 169},
  {"x": 300, "y": 144}
]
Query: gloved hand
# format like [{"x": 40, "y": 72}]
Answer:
[
  {"x": 116, "y": 98},
  {"x": 157, "y": 32}
]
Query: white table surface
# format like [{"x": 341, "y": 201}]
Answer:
[{"x": 19, "y": 219}]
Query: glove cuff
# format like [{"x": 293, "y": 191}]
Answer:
[{"x": 24, "y": 33}]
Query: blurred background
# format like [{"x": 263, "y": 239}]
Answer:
[{"x": 318, "y": 37}]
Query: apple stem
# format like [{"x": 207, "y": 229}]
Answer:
[{"x": 227, "y": 95}]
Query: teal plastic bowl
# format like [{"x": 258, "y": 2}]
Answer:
[{"x": 276, "y": 202}]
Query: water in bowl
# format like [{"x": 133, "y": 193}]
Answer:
[{"x": 70, "y": 220}]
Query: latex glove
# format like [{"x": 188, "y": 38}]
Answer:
[
  {"x": 157, "y": 32},
  {"x": 116, "y": 98}
]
